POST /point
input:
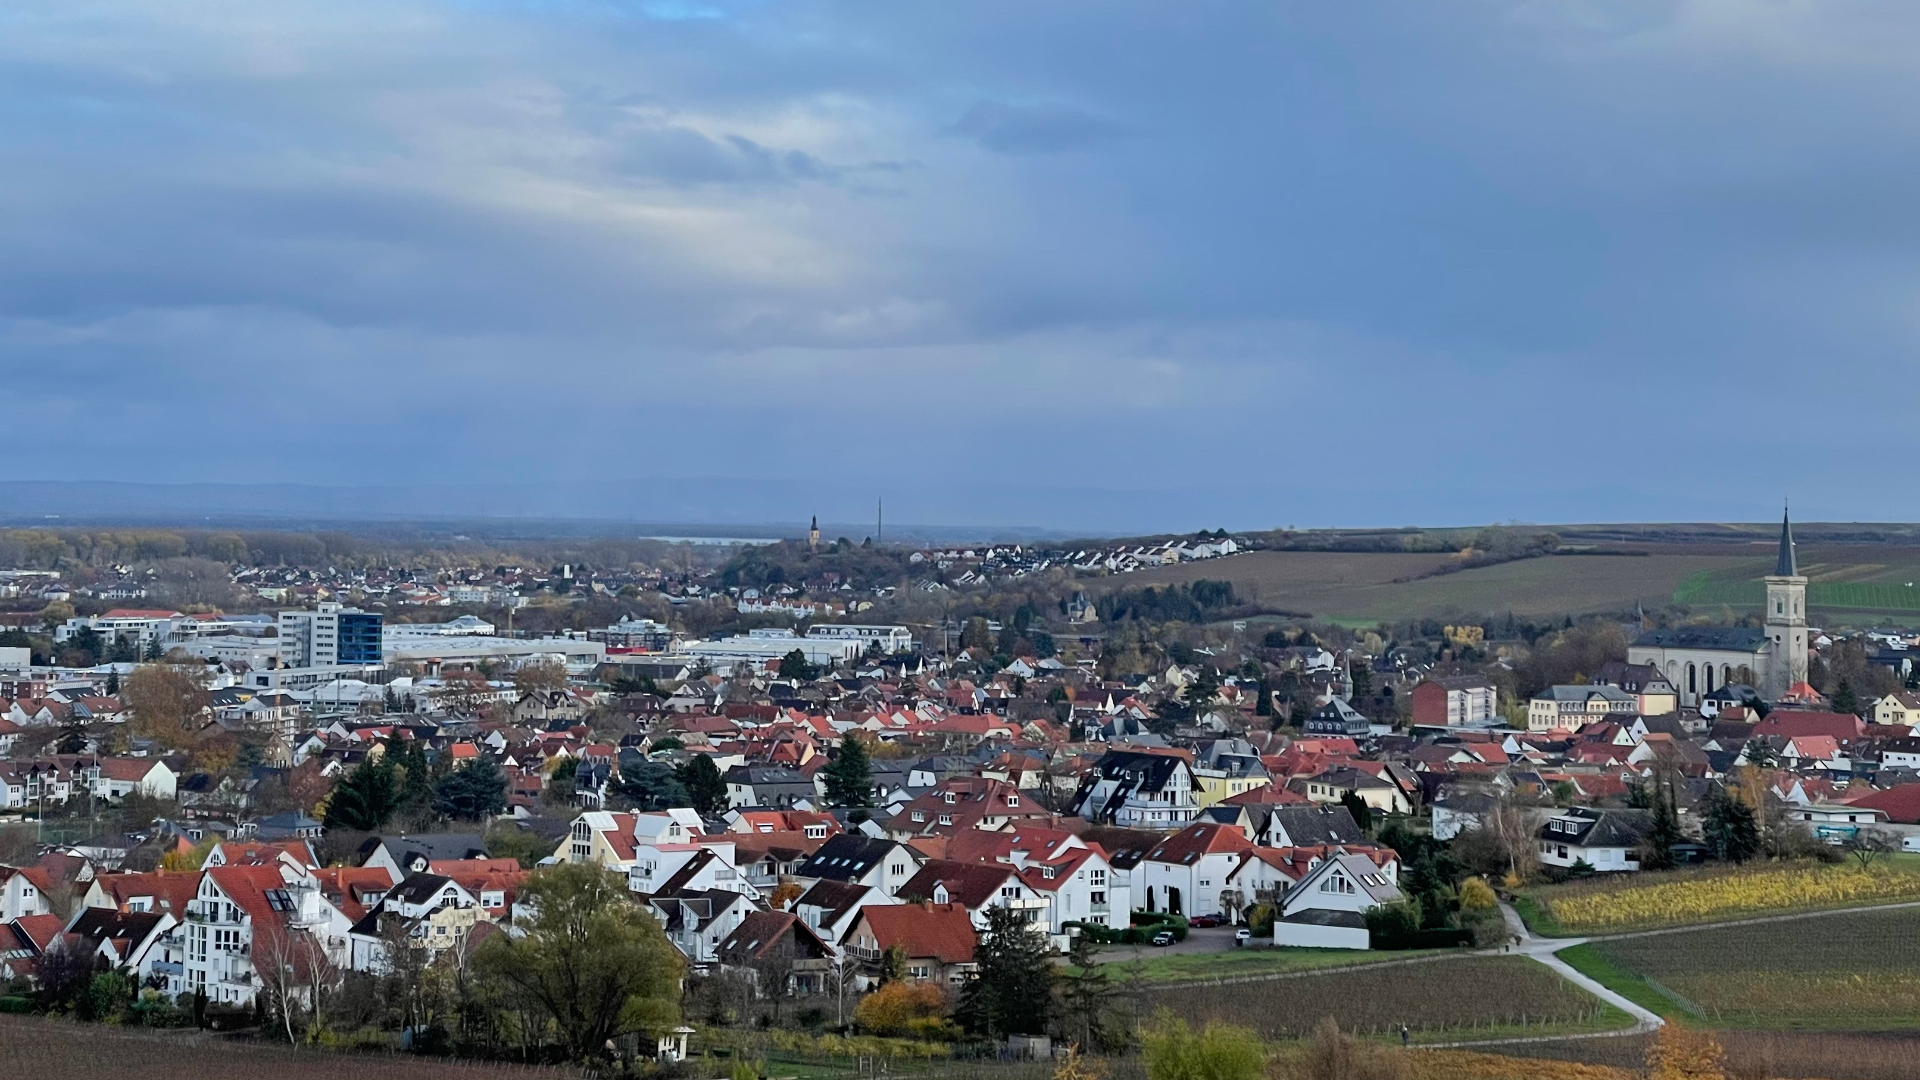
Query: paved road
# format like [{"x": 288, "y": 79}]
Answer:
[
  {"x": 1211, "y": 940},
  {"x": 1543, "y": 949}
]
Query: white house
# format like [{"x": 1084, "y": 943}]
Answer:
[
  {"x": 247, "y": 918},
  {"x": 1185, "y": 873},
  {"x": 120, "y": 777},
  {"x": 1327, "y": 909},
  {"x": 1138, "y": 790},
  {"x": 1603, "y": 839}
]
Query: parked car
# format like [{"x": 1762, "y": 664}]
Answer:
[
  {"x": 1241, "y": 937},
  {"x": 1203, "y": 922},
  {"x": 1163, "y": 938}
]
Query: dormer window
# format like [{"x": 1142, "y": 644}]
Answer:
[{"x": 950, "y": 798}]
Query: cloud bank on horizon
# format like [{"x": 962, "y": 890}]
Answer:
[{"x": 1088, "y": 265}]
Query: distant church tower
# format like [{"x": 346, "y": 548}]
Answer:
[
  {"x": 1786, "y": 619},
  {"x": 813, "y": 540}
]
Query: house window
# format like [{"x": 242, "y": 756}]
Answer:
[{"x": 946, "y": 819}]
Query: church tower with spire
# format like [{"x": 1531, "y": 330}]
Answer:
[
  {"x": 813, "y": 538},
  {"x": 1786, "y": 619}
]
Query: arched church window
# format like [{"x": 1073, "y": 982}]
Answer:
[{"x": 1693, "y": 682}]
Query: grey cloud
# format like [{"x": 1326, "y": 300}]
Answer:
[
  {"x": 1044, "y": 128},
  {"x": 406, "y": 221}
]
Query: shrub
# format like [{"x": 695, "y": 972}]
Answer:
[
  {"x": 1175, "y": 1051},
  {"x": 1477, "y": 895},
  {"x": 906, "y": 1010},
  {"x": 1148, "y": 923},
  {"x": 1334, "y": 1055},
  {"x": 1679, "y": 1054}
]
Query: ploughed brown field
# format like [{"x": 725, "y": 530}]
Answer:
[{"x": 56, "y": 1050}]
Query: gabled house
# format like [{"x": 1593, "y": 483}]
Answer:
[
  {"x": 697, "y": 921},
  {"x": 937, "y": 941},
  {"x": 1185, "y": 873},
  {"x": 1327, "y": 909},
  {"x": 1138, "y": 789},
  {"x": 245, "y": 917},
  {"x": 882, "y": 864},
  {"x": 1604, "y": 839},
  {"x": 779, "y": 952},
  {"x": 976, "y": 886},
  {"x": 829, "y": 907}
]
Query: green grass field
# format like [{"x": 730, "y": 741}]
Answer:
[
  {"x": 1588, "y": 960},
  {"x": 1857, "y": 971},
  {"x": 1368, "y": 588},
  {"x": 1365, "y": 588}
]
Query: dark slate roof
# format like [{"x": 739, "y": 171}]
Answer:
[
  {"x": 435, "y": 846},
  {"x": 1327, "y": 917},
  {"x": 1786, "y": 565},
  {"x": 419, "y": 888},
  {"x": 1599, "y": 828},
  {"x": 1309, "y": 826},
  {"x": 845, "y": 857},
  {"x": 1744, "y": 639}
]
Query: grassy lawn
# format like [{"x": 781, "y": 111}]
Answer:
[
  {"x": 1589, "y": 961},
  {"x": 1237, "y": 963},
  {"x": 1535, "y": 915},
  {"x": 1623, "y": 903}
]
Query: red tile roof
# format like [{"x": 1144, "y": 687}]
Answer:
[
  {"x": 940, "y": 931},
  {"x": 40, "y": 930},
  {"x": 1200, "y": 838},
  {"x": 1900, "y": 802},
  {"x": 170, "y": 890}
]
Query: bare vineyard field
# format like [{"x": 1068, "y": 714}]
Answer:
[
  {"x": 1494, "y": 996},
  {"x": 56, "y": 1050},
  {"x": 1855, "y": 971},
  {"x": 1782, "y": 1055}
]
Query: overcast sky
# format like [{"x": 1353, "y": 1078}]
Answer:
[{"x": 1097, "y": 265}]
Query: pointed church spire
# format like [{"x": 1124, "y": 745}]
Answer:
[{"x": 1786, "y": 566}]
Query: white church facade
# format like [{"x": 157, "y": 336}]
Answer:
[{"x": 1698, "y": 660}]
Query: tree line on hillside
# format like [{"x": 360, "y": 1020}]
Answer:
[
  {"x": 1197, "y": 602},
  {"x": 63, "y": 549}
]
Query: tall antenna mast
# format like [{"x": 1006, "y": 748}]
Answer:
[{"x": 879, "y": 522}]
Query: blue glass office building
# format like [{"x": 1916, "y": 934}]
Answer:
[{"x": 359, "y": 637}]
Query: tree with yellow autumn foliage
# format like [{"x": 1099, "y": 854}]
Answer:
[{"x": 1678, "y": 1053}]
